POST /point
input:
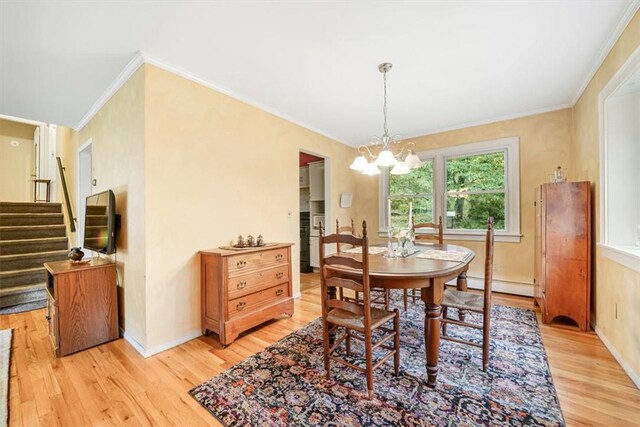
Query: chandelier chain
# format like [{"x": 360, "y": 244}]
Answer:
[{"x": 384, "y": 107}]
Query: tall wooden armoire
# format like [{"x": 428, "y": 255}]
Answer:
[{"x": 562, "y": 283}]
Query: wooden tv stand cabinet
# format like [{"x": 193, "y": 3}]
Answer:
[
  {"x": 242, "y": 289},
  {"x": 82, "y": 304}
]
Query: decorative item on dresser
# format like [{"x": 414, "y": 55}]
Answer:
[
  {"x": 562, "y": 283},
  {"x": 82, "y": 304},
  {"x": 241, "y": 290}
]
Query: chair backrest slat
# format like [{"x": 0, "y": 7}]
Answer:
[
  {"x": 342, "y": 238},
  {"x": 351, "y": 307},
  {"x": 428, "y": 236},
  {"x": 342, "y": 260},
  {"x": 340, "y": 282}
]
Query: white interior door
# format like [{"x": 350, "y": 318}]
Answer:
[{"x": 85, "y": 187}]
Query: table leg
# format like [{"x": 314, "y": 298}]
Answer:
[
  {"x": 432, "y": 315},
  {"x": 461, "y": 285}
]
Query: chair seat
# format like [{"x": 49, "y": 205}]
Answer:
[
  {"x": 356, "y": 321},
  {"x": 463, "y": 300}
]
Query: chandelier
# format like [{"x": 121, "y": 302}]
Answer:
[{"x": 386, "y": 157}]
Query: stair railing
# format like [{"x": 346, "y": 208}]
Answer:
[{"x": 72, "y": 220}]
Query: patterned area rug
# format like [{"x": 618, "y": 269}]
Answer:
[{"x": 285, "y": 385}]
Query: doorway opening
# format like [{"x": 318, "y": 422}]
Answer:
[
  {"x": 314, "y": 193},
  {"x": 85, "y": 185}
]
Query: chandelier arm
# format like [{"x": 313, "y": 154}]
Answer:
[{"x": 361, "y": 151}]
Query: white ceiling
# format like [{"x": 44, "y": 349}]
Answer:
[{"x": 315, "y": 63}]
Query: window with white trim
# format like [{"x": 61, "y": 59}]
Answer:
[
  {"x": 619, "y": 104},
  {"x": 464, "y": 185}
]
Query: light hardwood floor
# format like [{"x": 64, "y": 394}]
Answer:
[{"x": 113, "y": 385}]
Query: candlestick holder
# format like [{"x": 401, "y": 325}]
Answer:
[{"x": 391, "y": 251}]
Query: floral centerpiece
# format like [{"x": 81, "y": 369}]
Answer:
[{"x": 405, "y": 239}]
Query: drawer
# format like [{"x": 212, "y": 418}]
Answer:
[
  {"x": 256, "y": 281},
  {"x": 246, "y": 304},
  {"x": 238, "y": 264}
]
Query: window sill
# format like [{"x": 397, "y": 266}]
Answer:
[
  {"x": 477, "y": 237},
  {"x": 629, "y": 256}
]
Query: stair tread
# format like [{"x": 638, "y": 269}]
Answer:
[
  {"x": 30, "y": 214},
  {"x": 34, "y": 254},
  {"x": 22, "y": 271},
  {"x": 32, "y": 203},
  {"x": 33, "y": 240},
  {"x": 4, "y": 227},
  {"x": 21, "y": 288}
]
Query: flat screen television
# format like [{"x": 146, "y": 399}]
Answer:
[{"x": 100, "y": 223}]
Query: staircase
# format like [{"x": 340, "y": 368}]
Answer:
[{"x": 30, "y": 235}]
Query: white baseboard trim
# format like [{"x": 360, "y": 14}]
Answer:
[
  {"x": 297, "y": 295},
  {"x": 507, "y": 287},
  {"x": 134, "y": 343},
  {"x": 627, "y": 369},
  {"x": 159, "y": 348}
]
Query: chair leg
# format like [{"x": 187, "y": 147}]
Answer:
[
  {"x": 444, "y": 324},
  {"x": 386, "y": 299},
  {"x": 396, "y": 342},
  {"x": 340, "y": 294},
  {"x": 485, "y": 342},
  {"x": 405, "y": 298},
  {"x": 414, "y": 295},
  {"x": 369, "y": 362},
  {"x": 325, "y": 342},
  {"x": 347, "y": 342}
]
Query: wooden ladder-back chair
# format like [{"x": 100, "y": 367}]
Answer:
[
  {"x": 473, "y": 302},
  {"x": 423, "y": 236},
  {"x": 358, "y": 319},
  {"x": 382, "y": 295}
]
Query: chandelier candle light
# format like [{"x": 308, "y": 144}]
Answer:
[{"x": 386, "y": 157}]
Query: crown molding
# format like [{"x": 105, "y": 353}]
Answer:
[
  {"x": 632, "y": 8},
  {"x": 116, "y": 84},
  {"x": 487, "y": 121}
]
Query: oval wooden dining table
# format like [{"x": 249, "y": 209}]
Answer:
[{"x": 428, "y": 275}]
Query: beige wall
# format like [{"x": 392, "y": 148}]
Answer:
[
  {"x": 117, "y": 132},
  {"x": 614, "y": 284},
  {"x": 216, "y": 168},
  {"x": 16, "y": 163},
  {"x": 545, "y": 142}
]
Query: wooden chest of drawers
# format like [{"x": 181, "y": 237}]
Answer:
[{"x": 242, "y": 289}]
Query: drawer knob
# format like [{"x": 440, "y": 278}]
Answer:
[
  {"x": 241, "y": 285},
  {"x": 279, "y": 275},
  {"x": 241, "y": 305},
  {"x": 278, "y": 257},
  {"x": 241, "y": 263},
  {"x": 279, "y": 292}
]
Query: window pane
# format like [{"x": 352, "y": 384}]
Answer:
[
  {"x": 419, "y": 181},
  {"x": 474, "y": 173},
  {"x": 422, "y": 211},
  {"x": 471, "y": 211}
]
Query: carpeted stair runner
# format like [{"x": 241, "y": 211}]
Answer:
[{"x": 30, "y": 235}]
